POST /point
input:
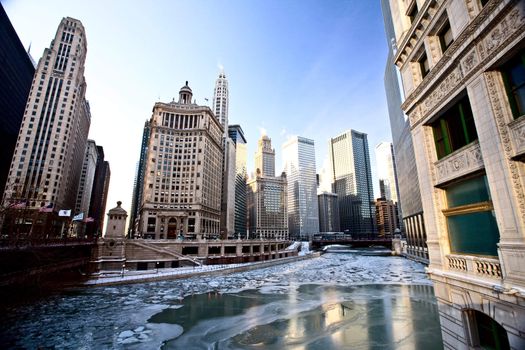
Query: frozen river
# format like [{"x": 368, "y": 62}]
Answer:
[{"x": 336, "y": 301}]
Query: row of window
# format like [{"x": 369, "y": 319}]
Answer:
[{"x": 455, "y": 127}]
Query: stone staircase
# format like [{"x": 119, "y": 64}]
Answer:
[{"x": 155, "y": 248}]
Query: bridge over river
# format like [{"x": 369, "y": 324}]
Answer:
[{"x": 322, "y": 240}]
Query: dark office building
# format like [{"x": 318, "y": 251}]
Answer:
[
  {"x": 405, "y": 159},
  {"x": 138, "y": 186},
  {"x": 99, "y": 194},
  {"x": 16, "y": 75}
]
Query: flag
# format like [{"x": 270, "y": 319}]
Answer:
[
  {"x": 64, "y": 212},
  {"x": 89, "y": 219},
  {"x": 47, "y": 209},
  {"x": 78, "y": 217}
]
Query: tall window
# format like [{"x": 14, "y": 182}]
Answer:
[
  {"x": 514, "y": 78},
  {"x": 424, "y": 65},
  {"x": 445, "y": 36},
  {"x": 471, "y": 222},
  {"x": 455, "y": 128}
]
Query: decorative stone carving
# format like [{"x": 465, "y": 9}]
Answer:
[
  {"x": 485, "y": 267},
  {"x": 470, "y": 61},
  {"x": 459, "y": 163},
  {"x": 501, "y": 122},
  {"x": 488, "y": 45},
  {"x": 517, "y": 128}
]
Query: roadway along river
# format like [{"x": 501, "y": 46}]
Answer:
[{"x": 336, "y": 301}]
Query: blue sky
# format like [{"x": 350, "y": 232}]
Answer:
[{"x": 302, "y": 67}]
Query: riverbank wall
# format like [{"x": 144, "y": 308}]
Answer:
[{"x": 188, "y": 272}]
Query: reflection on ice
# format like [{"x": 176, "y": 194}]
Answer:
[{"x": 307, "y": 301}]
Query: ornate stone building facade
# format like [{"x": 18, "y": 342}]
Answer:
[
  {"x": 267, "y": 196},
  {"x": 181, "y": 194},
  {"x": 462, "y": 63},
  {"x": 47, "y": 162}
]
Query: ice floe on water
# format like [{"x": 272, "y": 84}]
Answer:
[{"x": 118, "y": 316}]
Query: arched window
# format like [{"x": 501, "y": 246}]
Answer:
[{"x": 485, "y": 332}]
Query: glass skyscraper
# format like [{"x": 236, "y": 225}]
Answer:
[
  {"x": 352, "y": 182},
  {"x": 411, "y": 207},
  {"x": 299, "y": 165},
  {"x": 241, "y": 174}
]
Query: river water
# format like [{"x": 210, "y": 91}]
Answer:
[{"x": 336, "y": 301}]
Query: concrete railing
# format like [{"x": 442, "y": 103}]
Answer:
[{"x": 481, "y": 267}]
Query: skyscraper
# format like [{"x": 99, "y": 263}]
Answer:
[
  {"x": 241, "y": 176},
  {"x": 99, "y": 193},
  {"x": 16, "y": 74},
  {"x": 410, "y": 205},
  {"x": 352, "y": 181},
  {"x": 386, "y": 171},
  {"x": 138, "y": 186},
  {"x": 87, "y": 176},
  {"x": 328, "y": 212},
  {"x": 266, "y": 196},
  {"x": 299, "y": 165},
  {"x": 47, "y": 163},
  {"x": 386, "y": 217},
  {"x": 220, "y": 107},
  {"x": 221, "y": 100},
  {"x": 183, "y": 172},
  {"x": 265, "y": 157},
  {"x": 462, "y": 64}
]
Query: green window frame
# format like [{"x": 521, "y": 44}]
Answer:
[
  {"x": 513, "y": 73},
  {"x": 471, "y": 222},
  {"x": 454, "y": 129}
]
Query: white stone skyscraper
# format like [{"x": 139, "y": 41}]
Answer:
[
  {"x": 220, "y": 109},
  {"x": 221, "y": 100},
  {"x": 265, "y": 157},
  {"x": 266, "y": 196},
  {"x": 47, "y": 162},
  {"x": 299, "y": 165}
]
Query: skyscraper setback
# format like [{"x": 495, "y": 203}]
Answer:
[{"x": 46, "y": 166}]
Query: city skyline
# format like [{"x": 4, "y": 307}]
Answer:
[{"x": 278, "y": 94}]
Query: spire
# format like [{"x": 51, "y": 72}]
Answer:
[{"x": 221, "y": 100}]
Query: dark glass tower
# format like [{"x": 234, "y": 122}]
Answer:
[
  {"x": 16, "y": 74},
  {"x": 352, "y": 181},
  {"x": 139, "y": 182}
]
